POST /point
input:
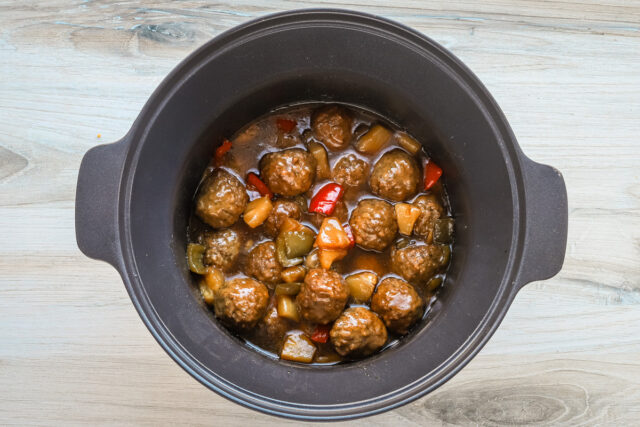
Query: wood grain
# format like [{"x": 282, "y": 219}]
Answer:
[{"x": 72, "y": 348}]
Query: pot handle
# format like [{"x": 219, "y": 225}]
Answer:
[
  {"x": 546, "y": 214},
  {"x": 97, "y": 195}
]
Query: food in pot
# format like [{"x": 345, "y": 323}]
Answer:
[
  {"x": 398, "y": 304},
  {"x": 270, "y": 331},
  {"x": 351, "y": 171},
  {"x": 324, "y": 237},
  {"x": 373, "y": 223},
  {"x": 222, "y": 248},
  {"x": 282, "y": 208},
  {"x": 221, "y": 199},
  {"x": 431, "y": 210},
  {"x": 341, "y": 211},
  {"x": 358, "y": 332},
  {"x": 263, "y": 263},
  {"x": 288, "y": 172},
  {"x": 331, "y": 125},
  {"x": 322, "y": 296},
  {"x": 396, "y": 176},
  {"x": 373, "y": 140},
  {"x": 417, "y": 263},
  {"x": 241, "y": 302}
]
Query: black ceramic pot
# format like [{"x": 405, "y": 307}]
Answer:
[{"x": 134, "y": 197}]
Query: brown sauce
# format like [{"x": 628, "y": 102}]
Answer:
[{"x": 262, "y": 136}]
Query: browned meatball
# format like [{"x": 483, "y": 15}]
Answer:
[
  {"x": 222, "y": 248},
  {"x": 358, "y": 332},
  {"x": 322, "y": 296},
  {"x": 263, "y": 264},
  {"x": 271, "y": 329},
  {"x": 431, "y": 211},
  {"x": 282, "y": 208},
  {"x": 350, "y": 171},
  {"x": 398, "y": 304},
  {"x": 395, "y": 176},
  {"x": 241, "y": 302},
  {"x": 288, "y": 172},
  {"x": 332, "y": 126},
  {"x": 373, "y": 223},
  {"x": 416, "y": 264},
  {"x": 221, "y": 199},
  {"x": 341, "y": 212}
]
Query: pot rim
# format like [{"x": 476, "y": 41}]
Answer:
[{"x": 410, "y": 392}]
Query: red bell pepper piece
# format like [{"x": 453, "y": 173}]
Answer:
[
  {"x": 321, "y": 333},
  {"x": 222, "y": 150},
  {"x": 286, "y": 125},
  {"x": 325, "y": 200},
  {"x": 432, "y": 174},
  {"x": 347, "y": 229},
  {"x": 256, "y": 182}
]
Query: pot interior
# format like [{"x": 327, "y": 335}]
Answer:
[{"x": 227, "y": 88}]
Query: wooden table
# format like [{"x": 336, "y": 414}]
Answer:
[{"x": 75, "y": 74}]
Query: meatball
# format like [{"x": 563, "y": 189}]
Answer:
[
  {"x": 263, "y": 264},
  {"x": 270, "y": 330},
  {"x": 398, "y": 304},
  {"x": 221, "y": 248},
  {"x": 358, "y": 332},
  {"x": 282, "y": 209},
  {"x": 395, "y": 176},
  {"x": 350, "y": 171},
  {"x": 288, "y": 172},
  {"x": 373, "y": 223},
  {"x": 221, "y": 199},
  {"x": 416, "y": 264},
  {"x": 241, "y": 302},
  {"x": 431, "y": 211},
  {"x": 322, "y": 296},
  {"x": 341, "y": 212},
  {"x": 332, "y": 126}
]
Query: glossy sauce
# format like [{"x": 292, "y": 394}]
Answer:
[{"x": 262, "y": 136}]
